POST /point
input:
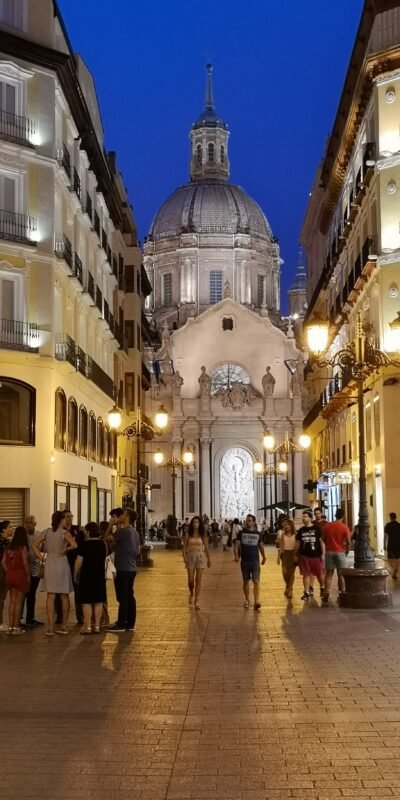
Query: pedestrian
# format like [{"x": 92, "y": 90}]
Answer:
[
  {"x": 234, "y": 534},
  {"x": 34, "y": 568},
  {"x": 310, "y": 551},
  {"x": 319, "y": 520},
  {"x": 226, "y": 532},
  {"x": 122, "y": 531},
  {"x": 56, "y": 542},
  {"x": 214, "y": 533},
  {"x": 286, "y": 543},
  {"x": 337, "y": 539},
  {"x": 78, "y": 535},
  {"x": 6, "y": 532},
  {"x": 248, "y": 547},
  {"x": 90, "y": 566},
  {"x": 103, "y": 528},
  {"x": 196, "y": 556},
  {"x": 392, "y": 544},
  {"x": 16, "y": 568}
]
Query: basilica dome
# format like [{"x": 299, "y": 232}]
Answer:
[{"x": 210, "y": 207}]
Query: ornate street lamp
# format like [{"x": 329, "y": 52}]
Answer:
[
  {"x": 282, "y": 451},
  {"x": 138, "y": 429},
  {"x": 358, "y": 360},
  {"x": 174, "y": 464}
]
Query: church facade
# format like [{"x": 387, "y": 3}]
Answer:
[{"x": 228, "y": 368}]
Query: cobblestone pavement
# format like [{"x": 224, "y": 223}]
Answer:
[{"x": 289, "y": 702}]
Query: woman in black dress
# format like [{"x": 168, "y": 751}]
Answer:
[{"x": 90, "y": 565}]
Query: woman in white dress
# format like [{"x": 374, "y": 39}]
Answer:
[{"x": 57, "y": 574}]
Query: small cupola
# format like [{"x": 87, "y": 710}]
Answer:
[{"x": 209, "y": 141}]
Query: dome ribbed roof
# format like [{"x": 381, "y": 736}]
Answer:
[{"x": 210, "y": 208}]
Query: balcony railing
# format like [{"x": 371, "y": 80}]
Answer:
[
  {"x": 89, "y": 287},
  {"x": 104, "y": 240},
  {"x": 63, "y": 249},
  {"x": 106, "y": 312},
  {"x": 65, "y": 348},
  {"x": 96, "y": 223},
  {"x": 18, "y": 228},
  {"x": 76, "y": 183},
  {"x": 64, "y": 159},
  {"x": 20, "y": 130},
  {"x": 97, "y": 375},
  {"x": 16, "y": 335},
  {"x": 87, "y": 206},
  {"x": 99, "y": 300},
  {"x": 77, "y": 270}
]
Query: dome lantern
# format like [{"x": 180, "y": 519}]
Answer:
[{"x": 209, "y": 141}]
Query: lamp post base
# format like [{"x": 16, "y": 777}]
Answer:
[{"x": 365, "y": 588}]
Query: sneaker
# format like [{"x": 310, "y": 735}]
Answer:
[
  {"x": 4, "y": 627},
  {"x": 310, "y": 591},
  {"x": 305, "y": 596},
  {"x": 116, "y": 628}
]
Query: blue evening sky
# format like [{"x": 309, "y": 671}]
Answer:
[{"x": 279, "y": 67}]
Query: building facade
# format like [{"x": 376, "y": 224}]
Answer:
[
  {"x": 228, "y": 367},
  {"x": 351, "y": 236},
  {"x": 70, "y": 280}
]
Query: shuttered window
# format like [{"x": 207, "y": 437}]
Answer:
[{"x": 13, "y": 505}]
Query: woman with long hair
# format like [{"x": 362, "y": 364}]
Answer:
[
  {"x": 196, "y": 555},
  {"x": 16, "y": 568},
  {"x": 90, "y": 565},
  {"x": 57, "y": 574},
  {"x": 286, "y": 542}
]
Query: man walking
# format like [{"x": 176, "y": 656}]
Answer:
[
  {"x": 127, "y": 550},
  {"x": 336, "y": 536},
  {"x": 392, "y": 544},
  {"x": 34, "y": 568},
  {"x": 310, "y": 549},
  {"x": 248, "y": 546}
]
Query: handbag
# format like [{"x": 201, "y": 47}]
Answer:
[
  {"x": 110, "y": 568},
  {"x": 41, "y": 567}
]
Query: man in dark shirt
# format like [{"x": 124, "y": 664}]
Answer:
[
  {"x": 392, "y": 544},
  {"x": 123, "y": 534},
  {"x": 310, "y": 550},
  {"x": 248, "y": 545}
]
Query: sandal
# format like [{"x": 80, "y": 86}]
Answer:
[
  {"x": 84, "y": 632},
  {"x": 50, "y": 632},
  {"x": 246, "y": 604},
  {"x": 62, "y": 631},
  {"x": 96, "y": 629}
]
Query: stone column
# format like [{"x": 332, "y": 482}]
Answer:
[
  {"x": 205, "y": 483},
  {"x": 177, "y": 452}
]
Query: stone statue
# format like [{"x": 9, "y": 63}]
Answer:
[
  {"x": 227, "y": 289},
  {"x": 176, "y": 383},
  {"x": 298, "y": 379},
  {"x": 205, "y": 383},
  {"x": 268, "y": 383}
]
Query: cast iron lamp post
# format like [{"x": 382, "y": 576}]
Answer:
[
  {"x": 283, "y": 450},
  {"x": 174, "y": 464},
  {"x": 358, "y": 360},
  {"x": 262, "y": 472},
  {"x": 138, "y": 429}
]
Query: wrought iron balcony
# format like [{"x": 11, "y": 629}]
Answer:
[
  {"x": 76, "y": 183},
  {"x": 97, "y": 375},
  {"x": 18, "y": 228},
  {"x": 14, "y": 128},
  {"x": 87, "y": 206},
  {"x": 63, "y": 249},
  {"x": 106, "y": 312},
  {"x": 77, "y": 269},
  {"x": 99, "y": 300},
  {"x": 65, "y": 348},
  {"x": 16, "y": 335},
  {"x": 64, "y": 159},
  {"x": 96, "y": 223}
]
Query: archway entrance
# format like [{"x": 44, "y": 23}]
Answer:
[{"x": 236, "y": 484}]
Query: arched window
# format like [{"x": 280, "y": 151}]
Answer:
[
  {"x": 199, "y": 155},
  {"x": 222, "y": 154},
  {"x": 60, "y": 421},
  {"x": 92, "y": 437},
  {"x": 211, "y": 152},
  {"x": 227, "y": 375},
  {"x": 72, "y": 426},
  {"x": 83, "y": 432},
  {"x": 100, "y": 441},
  {"x": 17, "y": 412}
]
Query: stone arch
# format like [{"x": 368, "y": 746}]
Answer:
[{"x": 250, "y": 454}]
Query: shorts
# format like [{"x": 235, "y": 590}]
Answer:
[
  {"x": 393, "y": 555},
  {"x": 250, "y": 570},
  {"x": 195, "y": 560},
  {"x": 335, "y": 560},
  {"x": 311, "y": 566}
]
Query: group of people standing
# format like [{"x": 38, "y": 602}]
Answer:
[{"x": 64, "y": 559}]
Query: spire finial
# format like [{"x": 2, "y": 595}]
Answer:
[{"x": 209, "y": 90}]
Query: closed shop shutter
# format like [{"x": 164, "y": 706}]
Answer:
[{"x": 12, "y": 505}]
